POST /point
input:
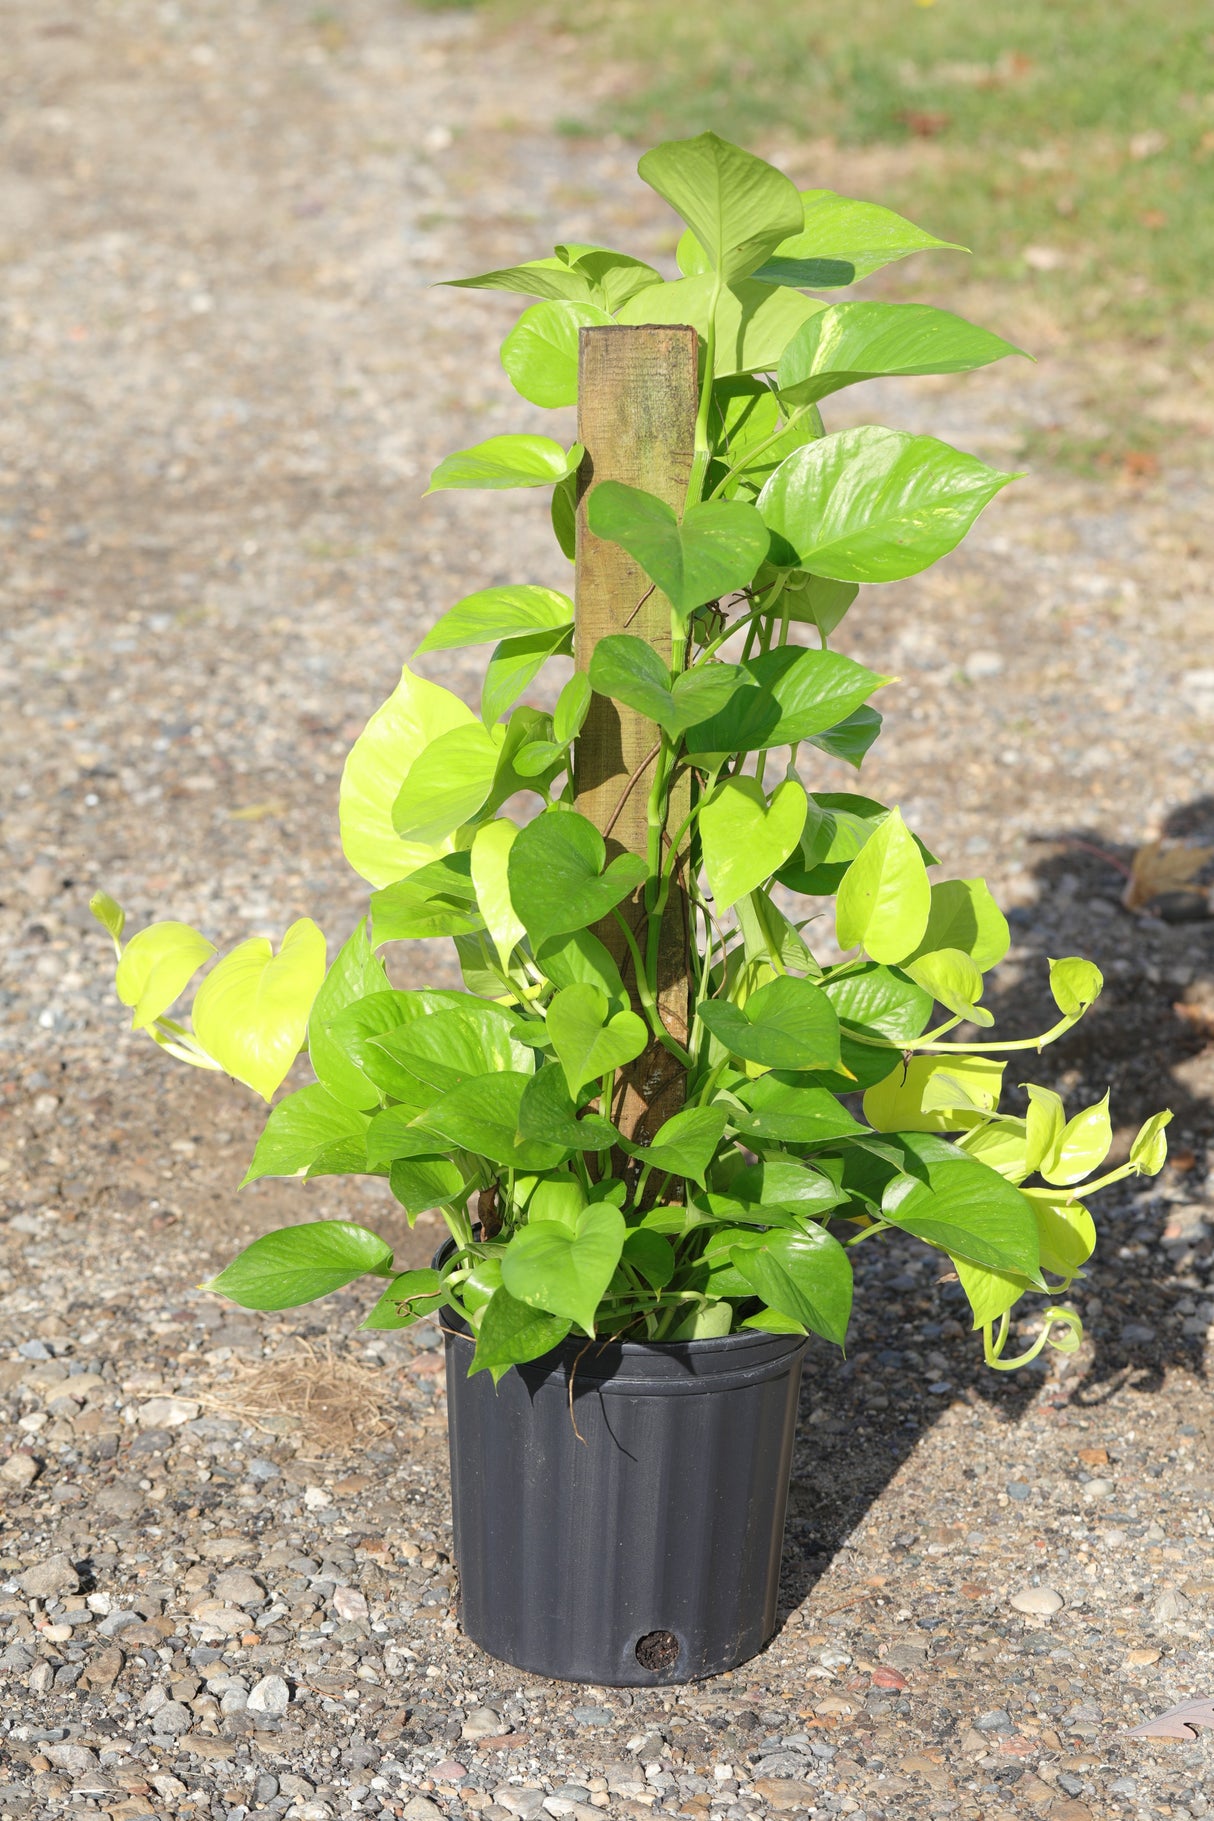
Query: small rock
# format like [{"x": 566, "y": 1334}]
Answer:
[
  {"x": 419, "y": 1809},
  {"x": 237, "y": 1587},
  {"x": 104, "y": 1669},
  {"x": 172, "y": 1718},
  {"x": 593, "y": 1716},
  {"x": 981, "y": 664},
  {"x": 75, "y": 1759},
  {"x": 1018, "y": 1489},
  {"x": 888, "y": 1678},
  {"x": 40, "y": 1677},
  {"x": 269, "y": 1696},
  {"x": 1098, "y": 1489},
  {"x": 448, "y": 1771},
  {"x": 20, "y": 1470},
  {"x": 1043, "y": 1601},
  {"x": 998, "y": 1720},
  {"x": 1137, "y": 1334},
  {"x": 784, "y": 1793},
  {"x": 482, "y": 1723},
  {"x": 348, "y": 1603},
  {"x": 1142, "y": 1659},
  {"x": 1169, "y": 1606},
  {"x": 46, "y": 1579},
  {"x": 266, "y": 1787},
  {"x": 166, "y": 1412},
  {"x": 316, "y": 1498},
  {"x": 527, "y": 1802},
  {"x": 232, "y": 1621},
  {"x": 835, "y": 1704}
]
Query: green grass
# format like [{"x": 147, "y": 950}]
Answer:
[{"x": 1080, "y": 129}]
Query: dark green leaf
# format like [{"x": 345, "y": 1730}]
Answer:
[
  {"x": 558, "y": 881},
  {"x": 589, "y": 1040},
  {"x": 629, "y": 670},
  {"x": 714, "y": 549},
  {"x": 787, "y": 1024},
  {"x": 964, "y": 1208},
  {"x": 805, "y": 1276},
  {"x": 547, "y": 1114},
  {"x": 851, "y": 739},
  {"x": 482, "y": 1116},
  {"x": 510, "y": 1333},
  {"x": 297, "y": 1264},
  {"x": 782, "y": 1110},
  {"x": 650, "y": 1255},
  {"x": 407, "y": 1298},
  {"x": 799, "y": 694}
]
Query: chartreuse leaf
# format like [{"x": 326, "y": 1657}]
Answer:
[
  {"x": 841, "y": 241},
  {"x": 1082, "y": 1145},
  {"x": 853, "y": 341},
  {"x": 436, "y": 900},
  {"x": 704, "y": 1321},
  {"x": 562, "y": 1271},
  {"x": 507, "y": 461},
  {"x": 447, "y": 783},
  {"x": 111, "y": 916},
  {"x": 415, "y": 714},
  {"x": 686, "y": 1143},
  {"x": 798, "y": 694},
  {"x": 355, "y": 973},
  {"x": 787, "y": 1024},
  {"x": 990, "y": 1293},
  {"x": 714, "y": 549},
  {"x": 558, "y": 879},
  {"x": 298, "y": 1264},
  {"x": 582, "y": 273},
  {"x": 1043, "y": 1126},
  {"x": 407, "y": 1298},
  {"x": 300, "y": 1128},
  {"x": 738, "y": 207},
  {"x": 1149, "y": 1151},
  {"x": 548, "y": 1115},
  {"x": 498, "y": 613},
  {"x": 629, "y": 670},
  {"x": 745, "y": 837},
  {"x": 422, "y": 1183},
  {"x": 1066, "y": 1232},
  {"x": 490, "y": 858},
  {"x": 613, "y": 277},
  {"x": 588, "y": 1040},
  {"x": 514, "y": 665},
  {"x": 803, "y": 1276},
  {"x": 884, "y": 896},
  {"x": 1076, "y": 984},
  {"x": 251, "y": 1011},
  {"x": 540, "y": 354},
  {"x": 537, "y": 278},
  {"x": 971, "y": 1088},
  {"x": 873, "y": 505},
  {"x": 964, "y": 916},
  {"x": 1001, "y": 1144},
  {"x": 563, "y": 514},
  {"x": 962, "y": 1207},
  {"x": 954, "y": 980},
  {"x": 511, "y": 1332},
  {"x": 155, "y": 968},
  {"x": 781, "y": 1109},
  {"x": 449, "y": 1047},
  {"x": 754, "y": 323}
]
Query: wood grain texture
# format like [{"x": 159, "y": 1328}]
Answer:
[{"x": 637, "y": 397}]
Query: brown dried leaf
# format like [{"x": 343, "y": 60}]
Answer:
[
  {"x": 1178, "y": 1722},
  {"x": 1163, "y": 866}
]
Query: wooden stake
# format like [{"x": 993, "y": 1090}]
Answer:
[{"x": 637, "y": 397}]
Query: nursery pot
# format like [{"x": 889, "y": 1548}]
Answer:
[{"x": 643, "y": 1546}]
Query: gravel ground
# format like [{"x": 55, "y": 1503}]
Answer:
[{"x": 226, "y": 1586}]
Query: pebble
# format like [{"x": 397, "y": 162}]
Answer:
[
  {"x": 1169, "y": 1606},
  {"x": 348, "y": 1603},
  {"x": 172, "y": 1717},
  {"x": 237, "y": 1587},
  {"x": 20, "y": 1469},
  {"x": 1043, "y": 1601},
  {"x": 482, "y": 1723},
  {"x": 269, "y": 1696},
  {"x": 1018, "y": 1489},
  {"x": 419, "y": 1808},
  {"x": 1098, "y": 1489},
  {"x": 449, "y": 1771},
  {"x": 56, "y": 1575},
  {"x": 998, "y": 1720},
  {"x": 166, "y": 1413},
  {"x": 527, "y": 1801}
]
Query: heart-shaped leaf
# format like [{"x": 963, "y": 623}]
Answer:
[
  {"x": 898, "y": 1103},
  {"x": 447, "y": 783},
  {"x": 587, "y": 1039},
  {"x": 745, "y": 838},
  {"x": 558, "y": 880},
  {"x": 397, "y": 734},
  {"x": 884, "y": 896},
  {"x": 787, "y": 1024},
  {"x": 540, "y": 354},
  {"x": 686, "y": 1143},
  {"x": 355, "y": 973},
  {"x": 964, "y": 916},
  {"x": 798, "y": 694},
  {"x": 507, "y": 461},
  {"x": 511, "y": 1333},
  {"x": 713, "y": 550},
  {"x": 547, "y": 1114},
  {"x": 482, "y": 1116},
  {"x": 407, "y": 1298},
  {"x": 1076, "y": 984},
  {"x": 963, "y": 1207},
  {"x": 841, "y": 241},
  {"x": 805, "y": 1276},
  {"x": 514, "y": 665},
  {"x": 849, "y": 342},
  {"x": 251, "y": 1012},
  {"x": 498, "y": 613},
  {"x": 954, "y": 980},
  {"x": 738, "y": 207},
  {"x": 753, "y": 323},
  {"x": 157, "y": 965},
  {"x": 565, "y": 1272},
  {"x": 630, "y": 671},
  {"x": 299, "y": 1129},
  {"x": 873, "y": 505},
  {"x": 780, "y": 1109},
  {"x": 297, "y": 1264}
]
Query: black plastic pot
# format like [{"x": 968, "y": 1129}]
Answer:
[{"x": 648, "y": 1551}]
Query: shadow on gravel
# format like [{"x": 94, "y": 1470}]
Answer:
[{"x": 1150, "y": 1040}]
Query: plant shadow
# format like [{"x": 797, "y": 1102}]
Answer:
[{"x": 1150, "y": 1041}]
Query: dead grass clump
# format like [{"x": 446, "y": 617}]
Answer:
[{"x": 327, "y": 1404}]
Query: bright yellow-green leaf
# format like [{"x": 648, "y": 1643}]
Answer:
[
  {"x": 1084, "y": 1145},
  {"x": 156, "y": 967},
  {"x": 897, "y": 1103},
  {"x": 1044, "y": 1124},
  {"x": 738, "y": 206},
  {"x": 954, "y": 980},
  {"x": 1066, "y": 1230},
  {"x": 416, "y": 713},
  {"x": 1149, "y": 1151},
  {"x": 885, "y": 895},
  {"x": 490, "y": 859},
  {"x": 991, "y": 1293},
  {"x": 1075, "y": 983},
  {"x": 251, "y": 1011},
  {"x": 110, "y": 916},
  {"x": 1001, "y": 1146},
  {"x": 448, "y": 782},
  {"x": 745, "y": 838}
]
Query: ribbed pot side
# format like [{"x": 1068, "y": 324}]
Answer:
[{"x": 646, "y": 1552}]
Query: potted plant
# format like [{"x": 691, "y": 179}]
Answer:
[{"x": 657, "y": 1121}]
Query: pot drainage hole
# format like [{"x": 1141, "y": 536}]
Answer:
[{"x": 657, "y": 1650}]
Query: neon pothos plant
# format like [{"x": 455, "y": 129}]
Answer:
[{"x": 825, "y": 1102}]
